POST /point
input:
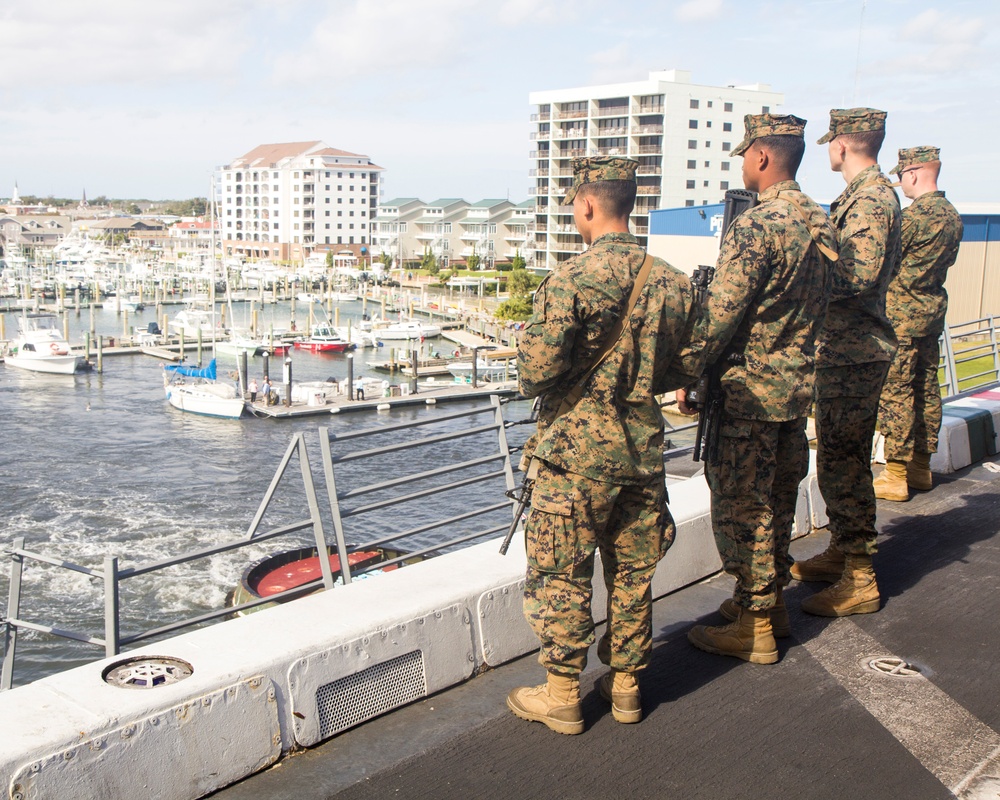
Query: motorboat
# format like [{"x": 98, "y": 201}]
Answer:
[
  {"x": 41, "y": 347},
  {"x": 486, "y": 370},
  {"x": 198, "y": 316},
  {"x": 203, "y": 393},
  {"x": 407, "y": 330},
  {"x": 324, "y": 339},
  {"x": 238, "y": 343}
]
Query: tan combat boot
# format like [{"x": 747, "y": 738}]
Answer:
[
  {"x": 556, "y": 703},
  {"x": 780, "y": 625},
  {"x": 891, "y": 484},
  {"x": 855, "y": 593},
  {"x": 750, "y": 637},
  {"x": 918, "y": 473},
  {"x": 827, "y": 566},
  {"x": 622, "y": 690}
]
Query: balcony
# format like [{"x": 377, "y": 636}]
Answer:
[
  {"x": 645, "y": 130},
  {"x": 612, "y": 111},
  {"x": 649, "y": 169},
  {"x": 650, "y": 150},
  {"x": 576, "y": 152},
  {"x": 541, "y": 173},
  {"x": 609, "y": 151},
  {"x": 569, "y": 114},
  {"x": 605, "y": 132},
  {"x": 648, "y": 190},
  {"x": 540, "y": 117},
  {"x": 570, "y": 133},
  {"x": 652, "y": 109},
  {"x": 566, "y": 247}
]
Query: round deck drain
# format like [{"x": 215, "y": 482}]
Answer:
[
  {"x": 892, "y": 667},
  {"x": 147, "y": 672}
]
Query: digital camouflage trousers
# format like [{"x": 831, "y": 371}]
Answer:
[
  {"x": 572, "y": 517},
  {"x": 755, "y": 485},
  {"x": 909, "y": 413},
  {"x": 846, "y": 410}
]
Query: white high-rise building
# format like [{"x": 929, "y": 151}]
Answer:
[
  {"x": 284, "y": 201},
  {"x": 679, "y": 132}
]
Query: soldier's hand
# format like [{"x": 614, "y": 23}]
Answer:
[{"x": 682, "y": 405}]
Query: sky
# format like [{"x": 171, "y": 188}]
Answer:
[{"x": 135, "y": 99}]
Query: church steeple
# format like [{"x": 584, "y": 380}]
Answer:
[
  {"x": 83, "y": 200},
  {"x": 15, "y": 199}
]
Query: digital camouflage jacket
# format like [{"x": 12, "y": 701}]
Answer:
[
  {"x": 615, "y": 432},
  {"x": 866, "y": 217},
  {"x": 931, "y": 233},
  {"x": 765, "y": 304}
]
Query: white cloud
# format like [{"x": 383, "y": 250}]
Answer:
[
  {"x": 934, "y": 27},
  {"x": 699, "y": 10}
]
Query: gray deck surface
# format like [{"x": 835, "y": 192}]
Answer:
[{"x": 817, "y": 725}]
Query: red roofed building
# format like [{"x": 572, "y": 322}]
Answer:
[{"x": 284, "y": 201}]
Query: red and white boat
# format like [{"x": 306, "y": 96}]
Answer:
[{"x": 324, "y": 339}]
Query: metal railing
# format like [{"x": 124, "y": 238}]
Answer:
[
  {"x": 352, "y": 509},
  {"x": 972, "y": 343}
]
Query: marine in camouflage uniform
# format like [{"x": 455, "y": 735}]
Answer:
[
  {"x": 856, "y": 344},
  {"x": 758, "y": 326},
  {"x": 600, "y": 482},
  {"x": 910, "y": 406}
]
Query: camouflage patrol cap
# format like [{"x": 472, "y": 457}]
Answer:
[
  {"x": 594, "y": 169},
  {"x": 760, "y": 125},
  {"x": 914, "y": 156},
  {"x": 853, "y": 120}
]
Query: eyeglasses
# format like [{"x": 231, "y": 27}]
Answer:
[{"x": 908, "y": 169}]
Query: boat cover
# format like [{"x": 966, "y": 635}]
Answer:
[{"x": 194, "y": 372}]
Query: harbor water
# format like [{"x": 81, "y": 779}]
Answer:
[{"x": 97, "y": 465}]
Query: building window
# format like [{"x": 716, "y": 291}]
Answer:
[
  {"x": 694, "y": 104},
  {"x": 351, "y": 176},
  {"x": 708, "y": 164},
  {"x": 692, "y": 144},
  {"x": 727, "y": 107},
  {"x": 351, "y": 187},
  {"x": 765, "y": 109},
  {"x": 709, "y": 103},
  {"x": 688, "y": 203},
  {"x": 726, "y": 146},
  {"x": 725, "y": 166},
  {"x": 708, "y": 144},
  {"x": 340, "y": 240},
  {"x": 708, "y": 124},
  {"x": 690, "y": 184},
  {"x": 692, "y": 124},
  {"x": 723, "y": 185},
  {"x": 326, "y": 240},
  {"x": 327, "y": 226},
  {"x": 692, "y": 164},
  {"x": 727, "y": 126}
]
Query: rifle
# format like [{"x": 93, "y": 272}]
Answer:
[
  {"x": 522, "y": 494},
  {"x": 706, "y": 394}
]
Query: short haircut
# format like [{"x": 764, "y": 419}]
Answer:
[
  {"x": 616, "y": 198},
  {"x": 864, "y": 143},
  {"x": 786, "y": 150}
]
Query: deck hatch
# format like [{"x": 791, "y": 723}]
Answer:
[{"x": 355, "y": 698}]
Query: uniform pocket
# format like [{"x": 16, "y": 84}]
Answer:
[{"x": 551, "y": 538}]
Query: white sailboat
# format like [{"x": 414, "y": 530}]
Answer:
[{"x": 204, "y": 395}]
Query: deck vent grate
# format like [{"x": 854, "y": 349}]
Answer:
[
  {"x": 893, "y": 667},
  {"x": 147, "y": 672},
  {"x": 359, "y": 697}
]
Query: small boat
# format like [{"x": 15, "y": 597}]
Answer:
[
  {"x": 485, "y": 370},
  {"x": 308, "y": 297},
  {"x": 408, "y": 330},
  {"x": 40, "y": 347},
  {"x": 272, "y": 344},
  {"x": 133, "y": 304},
  {"x": 295, "y": 568},
  {"x": 238, "y": 343},
  {"x": 198, "y": 316},
  {"x": 205, "y": 395},
  {"x": 324, "y": 339}
]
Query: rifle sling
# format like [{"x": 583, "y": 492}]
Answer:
[{"x": 830, "y": 254}]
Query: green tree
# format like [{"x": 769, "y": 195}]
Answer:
[
  {"x": 472, "y": 262},
  {"x": 329, "y": 258},
  {"x": 133, "y": 209},
  {"x": 385, "y": 259},
  {"x": 520, "y": 284},
  {"x": 518, "y": 261},
  {"x": 516, "y": 309},
  {"x": 429, "y": 262}
]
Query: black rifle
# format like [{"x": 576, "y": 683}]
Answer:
[
  {"x": 522, "y": 494},
  {"x": 706, "y": 394}
]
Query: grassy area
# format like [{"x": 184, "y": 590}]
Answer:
[{"x": 967, "y": 370}]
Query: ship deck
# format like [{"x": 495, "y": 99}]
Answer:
[{"x": 821, "y": 723}]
